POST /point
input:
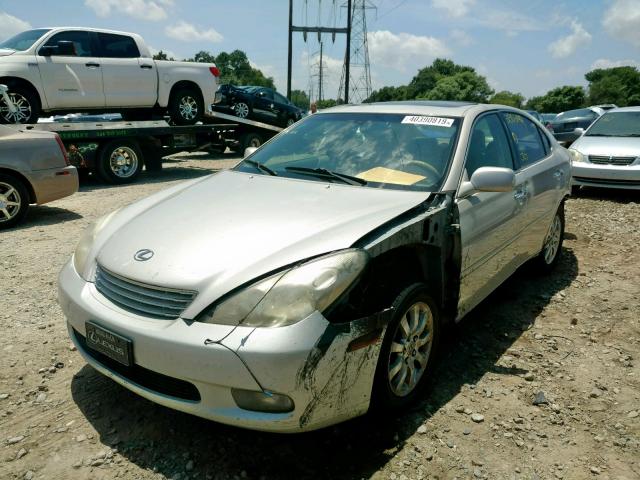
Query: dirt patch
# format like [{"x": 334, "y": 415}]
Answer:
[{"x": 571, "y": 340}]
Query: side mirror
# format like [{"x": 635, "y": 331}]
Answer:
[
  {"x": 578, "y": 131},
  {"x": 489, "y": 179},
  {"x": 48, "y": 50},
  {"x": 66, "y": 48},
  {"x": 249, "y": 150}
]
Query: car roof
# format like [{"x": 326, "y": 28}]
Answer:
[
  {"x": 90, "y": 29},
  {"x": 625, "y": 109},
  {"x": 418, "y": 107}
]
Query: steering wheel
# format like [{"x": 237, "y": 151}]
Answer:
[{"x": 431, "y": 171}]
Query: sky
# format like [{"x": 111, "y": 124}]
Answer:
[{"x": 523, "y": 46}]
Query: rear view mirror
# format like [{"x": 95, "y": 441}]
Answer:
[
  {"x": 249, "y": 150},
  {"x": 489, "y": 179},
  {"x": 48, "y": 50},
  {"x": 578, "y": 131}
]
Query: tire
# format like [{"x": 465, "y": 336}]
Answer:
[
  {"x": 389, "y": 393},
  {"x": 186, "y": 106},
  {"x": 241, "y": 109},
  {"x": 548, "y": 258},
  {"x": 28, "y": 103},
  {"x": 14, "y": 201},
  {"x": 119, "y": 161},
  {"x": 290, "y": 121},
  {"x": 249, "y": 140}
]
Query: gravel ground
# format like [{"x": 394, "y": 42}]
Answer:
[{"x": 570, "y": 341}]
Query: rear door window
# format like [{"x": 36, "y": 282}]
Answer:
[
  {"x": 117, "y": 46},
  {"x": 526, "y": 138}
]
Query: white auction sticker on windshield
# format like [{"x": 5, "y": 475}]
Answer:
[{"x": 424, "y": 120}]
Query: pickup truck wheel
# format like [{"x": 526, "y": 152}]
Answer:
[
  {"x": 290, "y": 121},
  {"x": 14, "y": 201},
  {"x": 407, "y": 354},
  {"x": 119, "y": 161},
  {"x": 186, "y": 106},
  {"x": 26, "y": 103},
  {"x": 241, "y": 109}
]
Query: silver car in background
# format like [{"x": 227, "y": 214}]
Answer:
[
  {"x": 311, "y": 282},
  {"x": 608, "y": 153},
  {"x": 34, "y": 168}
]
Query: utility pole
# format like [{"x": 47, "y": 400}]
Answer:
[
  {"x": 290, "y": 49},
  {"x": 319, "y": 30},
  {"x": 320, "y": 75}
]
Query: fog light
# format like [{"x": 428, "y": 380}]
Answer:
[{"x": 262, "y": 401}]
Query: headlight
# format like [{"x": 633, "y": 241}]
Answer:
[
  {"x": 81, "y": 255},
  {"x": 288, "y": 297},
  {"x": 576, "y": 156}
]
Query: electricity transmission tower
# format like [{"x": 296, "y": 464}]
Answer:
[{"x": 355, "y": 83}]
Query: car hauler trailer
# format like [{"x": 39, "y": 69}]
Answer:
[{"x": 117, "y": 150}]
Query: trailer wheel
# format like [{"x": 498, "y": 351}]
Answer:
[
  {"x": 119, "y": 161},
  {"x": 249, "y": 140}
]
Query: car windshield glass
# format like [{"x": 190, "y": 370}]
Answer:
[
  {"x": 394, "y": 151},
  {"x": 24, "y": 40},
  {"x": 582, "y": 112},
  {"x": 617, "y": 124},
  {"x": 249, "y": 89}
]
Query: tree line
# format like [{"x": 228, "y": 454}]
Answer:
[{"x": 446, "y": 80}]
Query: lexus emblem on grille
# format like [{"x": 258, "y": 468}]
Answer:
[{"x": 143, "y": 255}]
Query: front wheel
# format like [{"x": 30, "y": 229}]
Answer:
[
  {"x": 119, "y": 161},
  {"x": 14, "y": 201},
  {"x": 26, "y": 106},
  {"x": 186, "y": 106},
  {"x": 550, "y": 254},
  {"x": 408, "y": 349}
]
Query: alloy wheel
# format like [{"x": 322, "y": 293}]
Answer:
[
  {"x": 410, "y": 349},
  {"x": 188, "y": 107},
  {"x": 23, "y": 108},
  {"x": 123, "y": 162},
  {"x": 241, "y": 110},
  {"x": 10, "y": 202},
  {"x": 552, "y": 242}
]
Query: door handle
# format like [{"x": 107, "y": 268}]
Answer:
[
  {"x": 149, "y": 67},
  {"x": 558, "y": 174},
  {"x": 92, "y": 65},
  {"x": 520, "y": 196}
]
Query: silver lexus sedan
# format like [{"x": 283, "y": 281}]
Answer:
[
  {"x": 608, "y": 153},
  {"x": 311, "y": 282}
]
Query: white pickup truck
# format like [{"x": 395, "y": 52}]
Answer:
[{"x": 66, "y": 70}]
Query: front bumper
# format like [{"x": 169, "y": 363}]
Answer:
[
  {"x": 610, "y": 176},
  {"x": 307, "y": 361}
]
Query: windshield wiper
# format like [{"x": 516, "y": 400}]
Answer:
[
  {"x": 323, "y": 172},
  {"x": 261, "y": 167}
]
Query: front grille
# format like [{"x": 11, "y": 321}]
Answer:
[
  {"x": 144, "y": 377},
  {"x": 605, "y": 160},
  {"x": 146, "y": 300}
]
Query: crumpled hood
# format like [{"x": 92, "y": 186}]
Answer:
[
  {"x": 228, "y": 229},
  {"x": 614, "y": 146}
]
